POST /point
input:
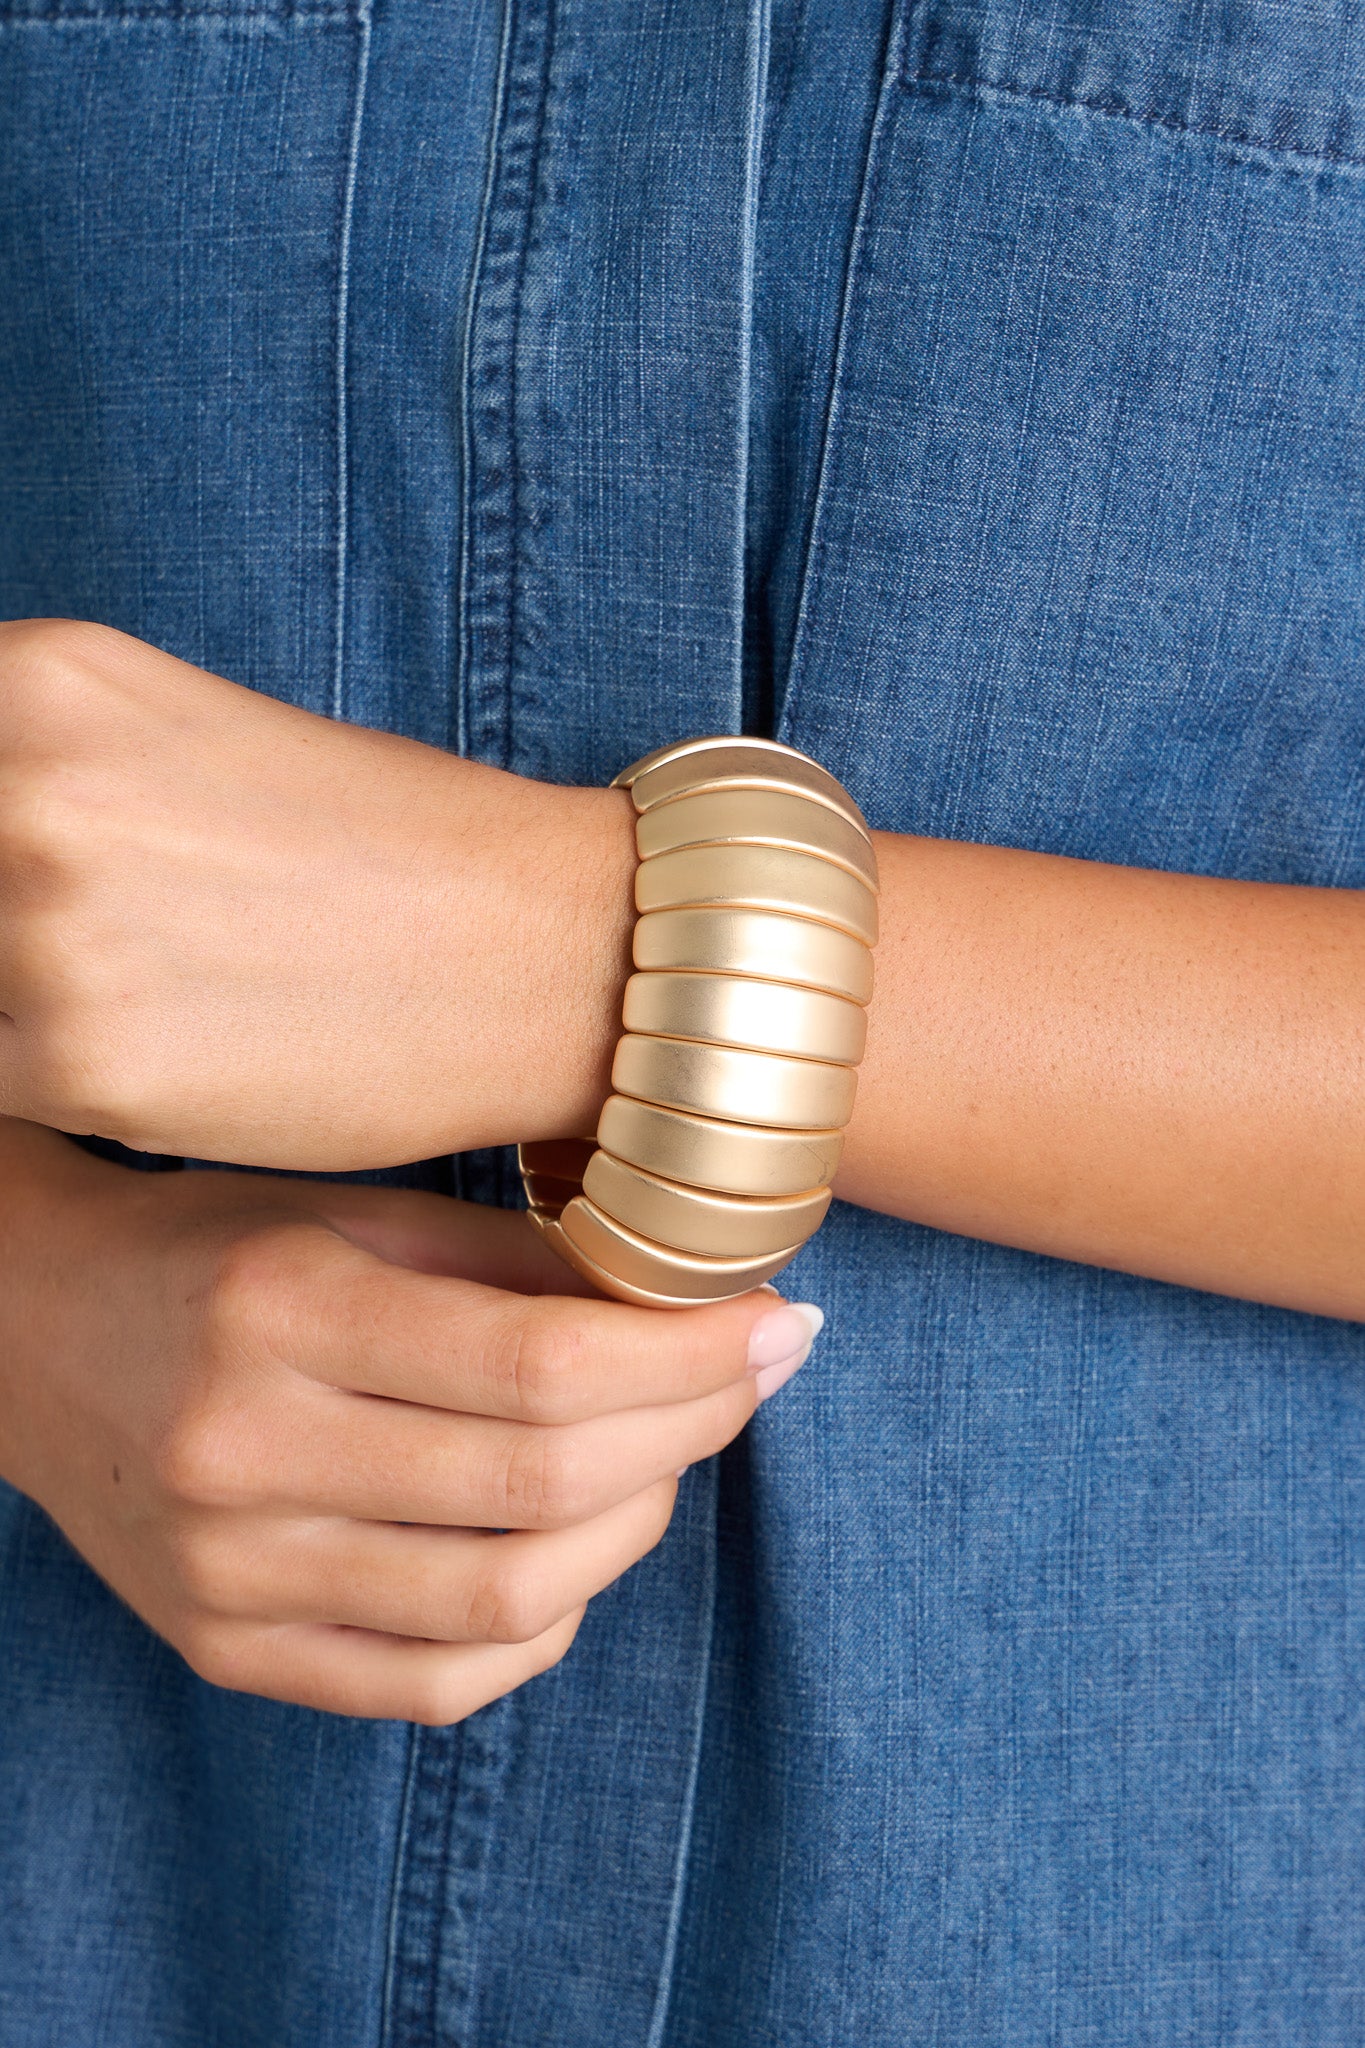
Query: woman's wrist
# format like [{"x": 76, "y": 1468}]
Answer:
[
  {"x": 559, "y": 934},
  {"x": 526, "y": 917}
]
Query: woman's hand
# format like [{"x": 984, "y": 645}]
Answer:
[
  {"x": 290, "y": 1450},
  {"x": 234, "y": 930}
]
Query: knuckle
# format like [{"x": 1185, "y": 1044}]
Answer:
[
  {"x": 251, "y": 1301},
  {"x": 42, "y": 659},
  {"x": 199, "y": 1461},
  {"x": 548, "y": 1481},
  {"x": 545, "y": 1368},
  {"x": 556, "y": 1645},
  {"x": 656, "y": 1528},
  {"x": 45, "y": 825},
  {"x": 214, "y": 1652},
  {"x": 437, "y": 1699},
  {"x": 206, "y": 1570},
  {"x": 508, "y": 1606},
  {"x": 48, "y": 650}
]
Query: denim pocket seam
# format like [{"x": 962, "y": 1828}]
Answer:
[{"x": 967, "y": 83}]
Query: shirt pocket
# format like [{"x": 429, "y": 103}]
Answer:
[
  {"x": 174, "y": 192},
  {"x": 1085, "y": 566}
]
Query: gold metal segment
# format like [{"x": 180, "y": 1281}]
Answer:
[
  {"x": 753, "y": 764},
  {"x": 756, "y": 817},
  {"x": 731, "y": 1158},
  {"x": 705, "y": 743},
  {"x": 764, "y": 1016},
  {"x": 758, "y": 944},
  {"x": 690, "y": 1220},
  {"x": 680, "y": 1275},
  {"x": 743, "y": 1028},
  {"x": 759, "y": 878},
  {"x": 611, "y": 1284},
  {"x": 739, "y": 1087}
]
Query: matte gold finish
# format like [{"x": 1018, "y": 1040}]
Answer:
[
  {"x": 743, "y": 1028},
  {"x": 690, "y": 1220},
  {"x": 759, "y": 878},
  {"x": 765, "y": 1016},
  {"x": 680, "y": 1275},
  {"x": 611, "y": 1283},
  {"x": 748, "y": 763},
  {"x": 736, "y": 1159},
  {"x": 756, "y": 943},
  {"x": 756, "y": 817},
  {"x": 739, "y": 1087}
]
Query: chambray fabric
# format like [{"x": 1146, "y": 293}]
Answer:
[{"x": 974, "y": 396}]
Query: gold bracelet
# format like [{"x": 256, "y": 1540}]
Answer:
[{"x": 743, "y": 1026}]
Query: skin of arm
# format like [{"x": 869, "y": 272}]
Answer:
[
  {"x": 1156, "y": 1072},
  {"x": 234, "y": 930}
]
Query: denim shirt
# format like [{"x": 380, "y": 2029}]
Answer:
[{"x": 973, "y": 396}]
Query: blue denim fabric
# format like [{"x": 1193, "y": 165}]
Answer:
[{"x": 972, "y": 395}]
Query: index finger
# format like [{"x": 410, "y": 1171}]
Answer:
[{"x": 361, "y": 1324}]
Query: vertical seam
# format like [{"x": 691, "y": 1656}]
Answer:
[
  {"x": 343, "y": 477},
  {"x": 668, "y": 1961},
  {"x": 887, "y": 98},
  {"x": 419, "y": 1924},
  {"x": 400, "y": 1854},
  {"x": 494, "y": 490},
  {"x": 756, "y": 82},
  {"x": 465, "y": 540}
]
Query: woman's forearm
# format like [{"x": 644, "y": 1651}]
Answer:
[
  {"x": 1156, "y": 1072},
  {"x": 1160, "y": 1073},
  {"x": 231, "y": 929}
]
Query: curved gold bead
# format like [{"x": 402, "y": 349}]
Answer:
[
  {"x": 723, "y": 759},
  {"x": 681, "y": 1276},
  {"x": 610, "y": 1283},
  {"x": 731, "y": 1158},
  {"x": 759, "y": 878},
  {"x": 755, "y": 943},
  {"x": 755, "y": 817},
  {"x": 701, "y": 743},
  {"x": 741, "y": 1087},
  {"x": 694, "y": 1220},
  {"x": 763, "y": 1016}
]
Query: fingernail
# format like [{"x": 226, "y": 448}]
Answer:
[
  {"x": 770, "y": 1377},
  {"x": 782, "y": 1333},
  {"x": 681, "y": 1470}
]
